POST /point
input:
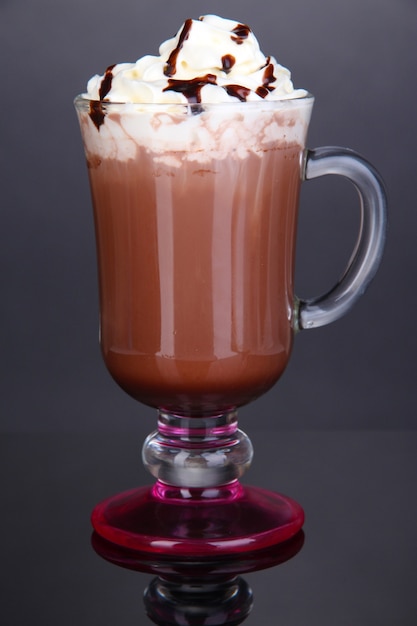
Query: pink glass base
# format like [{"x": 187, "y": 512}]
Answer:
[
  {"x": 208, "y": 569},
  {"x": 197, "y": 522}
]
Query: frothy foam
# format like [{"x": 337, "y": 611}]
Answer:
[{"x": 217, "y": 132}]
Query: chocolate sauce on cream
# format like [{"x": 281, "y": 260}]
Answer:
[
  {"x": 171, "y": 66},
  {"x": 237, "y": 91},
  {"x": 268, "y": 78},
  {"x": 262, "y": 92},
  {"x": 97, "y": 114},
  {"x": 228, "y": 61},
  {"x": 105, "y": 85},
  {"x": 191, "y": 89},
  {"x": 242, "y": 32}
]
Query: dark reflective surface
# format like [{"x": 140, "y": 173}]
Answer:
[
  {"x": 198, "y": 592},
  {"x": 209, "y": 569},
  {"x": 357, "y": 565}
]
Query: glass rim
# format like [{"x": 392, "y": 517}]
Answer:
[{"x": 82, "y": 100}]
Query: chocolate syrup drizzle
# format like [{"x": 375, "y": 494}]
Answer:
[
  {"x": 171, "y": 66},
  {"x": 228, "y": 61},
  {"x": 97, "y": 114},
  {"x": 268, "y": 78},
  {"x": 105, "y": 84},
  {"x": 238, "y": 91},
  {"x": 242, "y": 32},
  {"x": 191, "y": 89}
]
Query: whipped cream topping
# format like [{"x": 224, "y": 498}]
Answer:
[
  {"x": 210, "y": 60},
  {"x": 238, "y": 101}
]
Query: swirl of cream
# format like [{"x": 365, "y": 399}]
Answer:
[{"x": 210, "y": 60}]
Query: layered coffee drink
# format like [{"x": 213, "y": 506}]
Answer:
[{"x": 195, "y": 161}]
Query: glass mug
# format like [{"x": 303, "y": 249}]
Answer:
[{"x": 196, "y": 212}]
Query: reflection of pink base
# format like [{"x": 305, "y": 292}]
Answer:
[{"x": 197, "y": 522}]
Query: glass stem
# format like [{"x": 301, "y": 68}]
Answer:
[{"x": 197, "y": 452}]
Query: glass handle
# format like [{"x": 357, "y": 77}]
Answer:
[{"x": 367, "y": 253}]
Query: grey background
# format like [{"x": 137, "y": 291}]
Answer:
[{"x": 359, "y": 60}]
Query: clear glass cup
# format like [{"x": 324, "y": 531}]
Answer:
[{"x": 196, "y": 212}]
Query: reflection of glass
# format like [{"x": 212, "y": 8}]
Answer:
[
  {"x": 225, "y": 603},
  {"x": 195, "y": 212},
  {"x": 211, "y": 569},
  {"x": 187, "y": 591}
]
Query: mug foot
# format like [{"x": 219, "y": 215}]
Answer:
[{"x": 197, "y": 523}]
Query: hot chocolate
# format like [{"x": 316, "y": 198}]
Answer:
[
  {"x": 196, "y": 282},
  {"x": 195, "y": 182}
]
